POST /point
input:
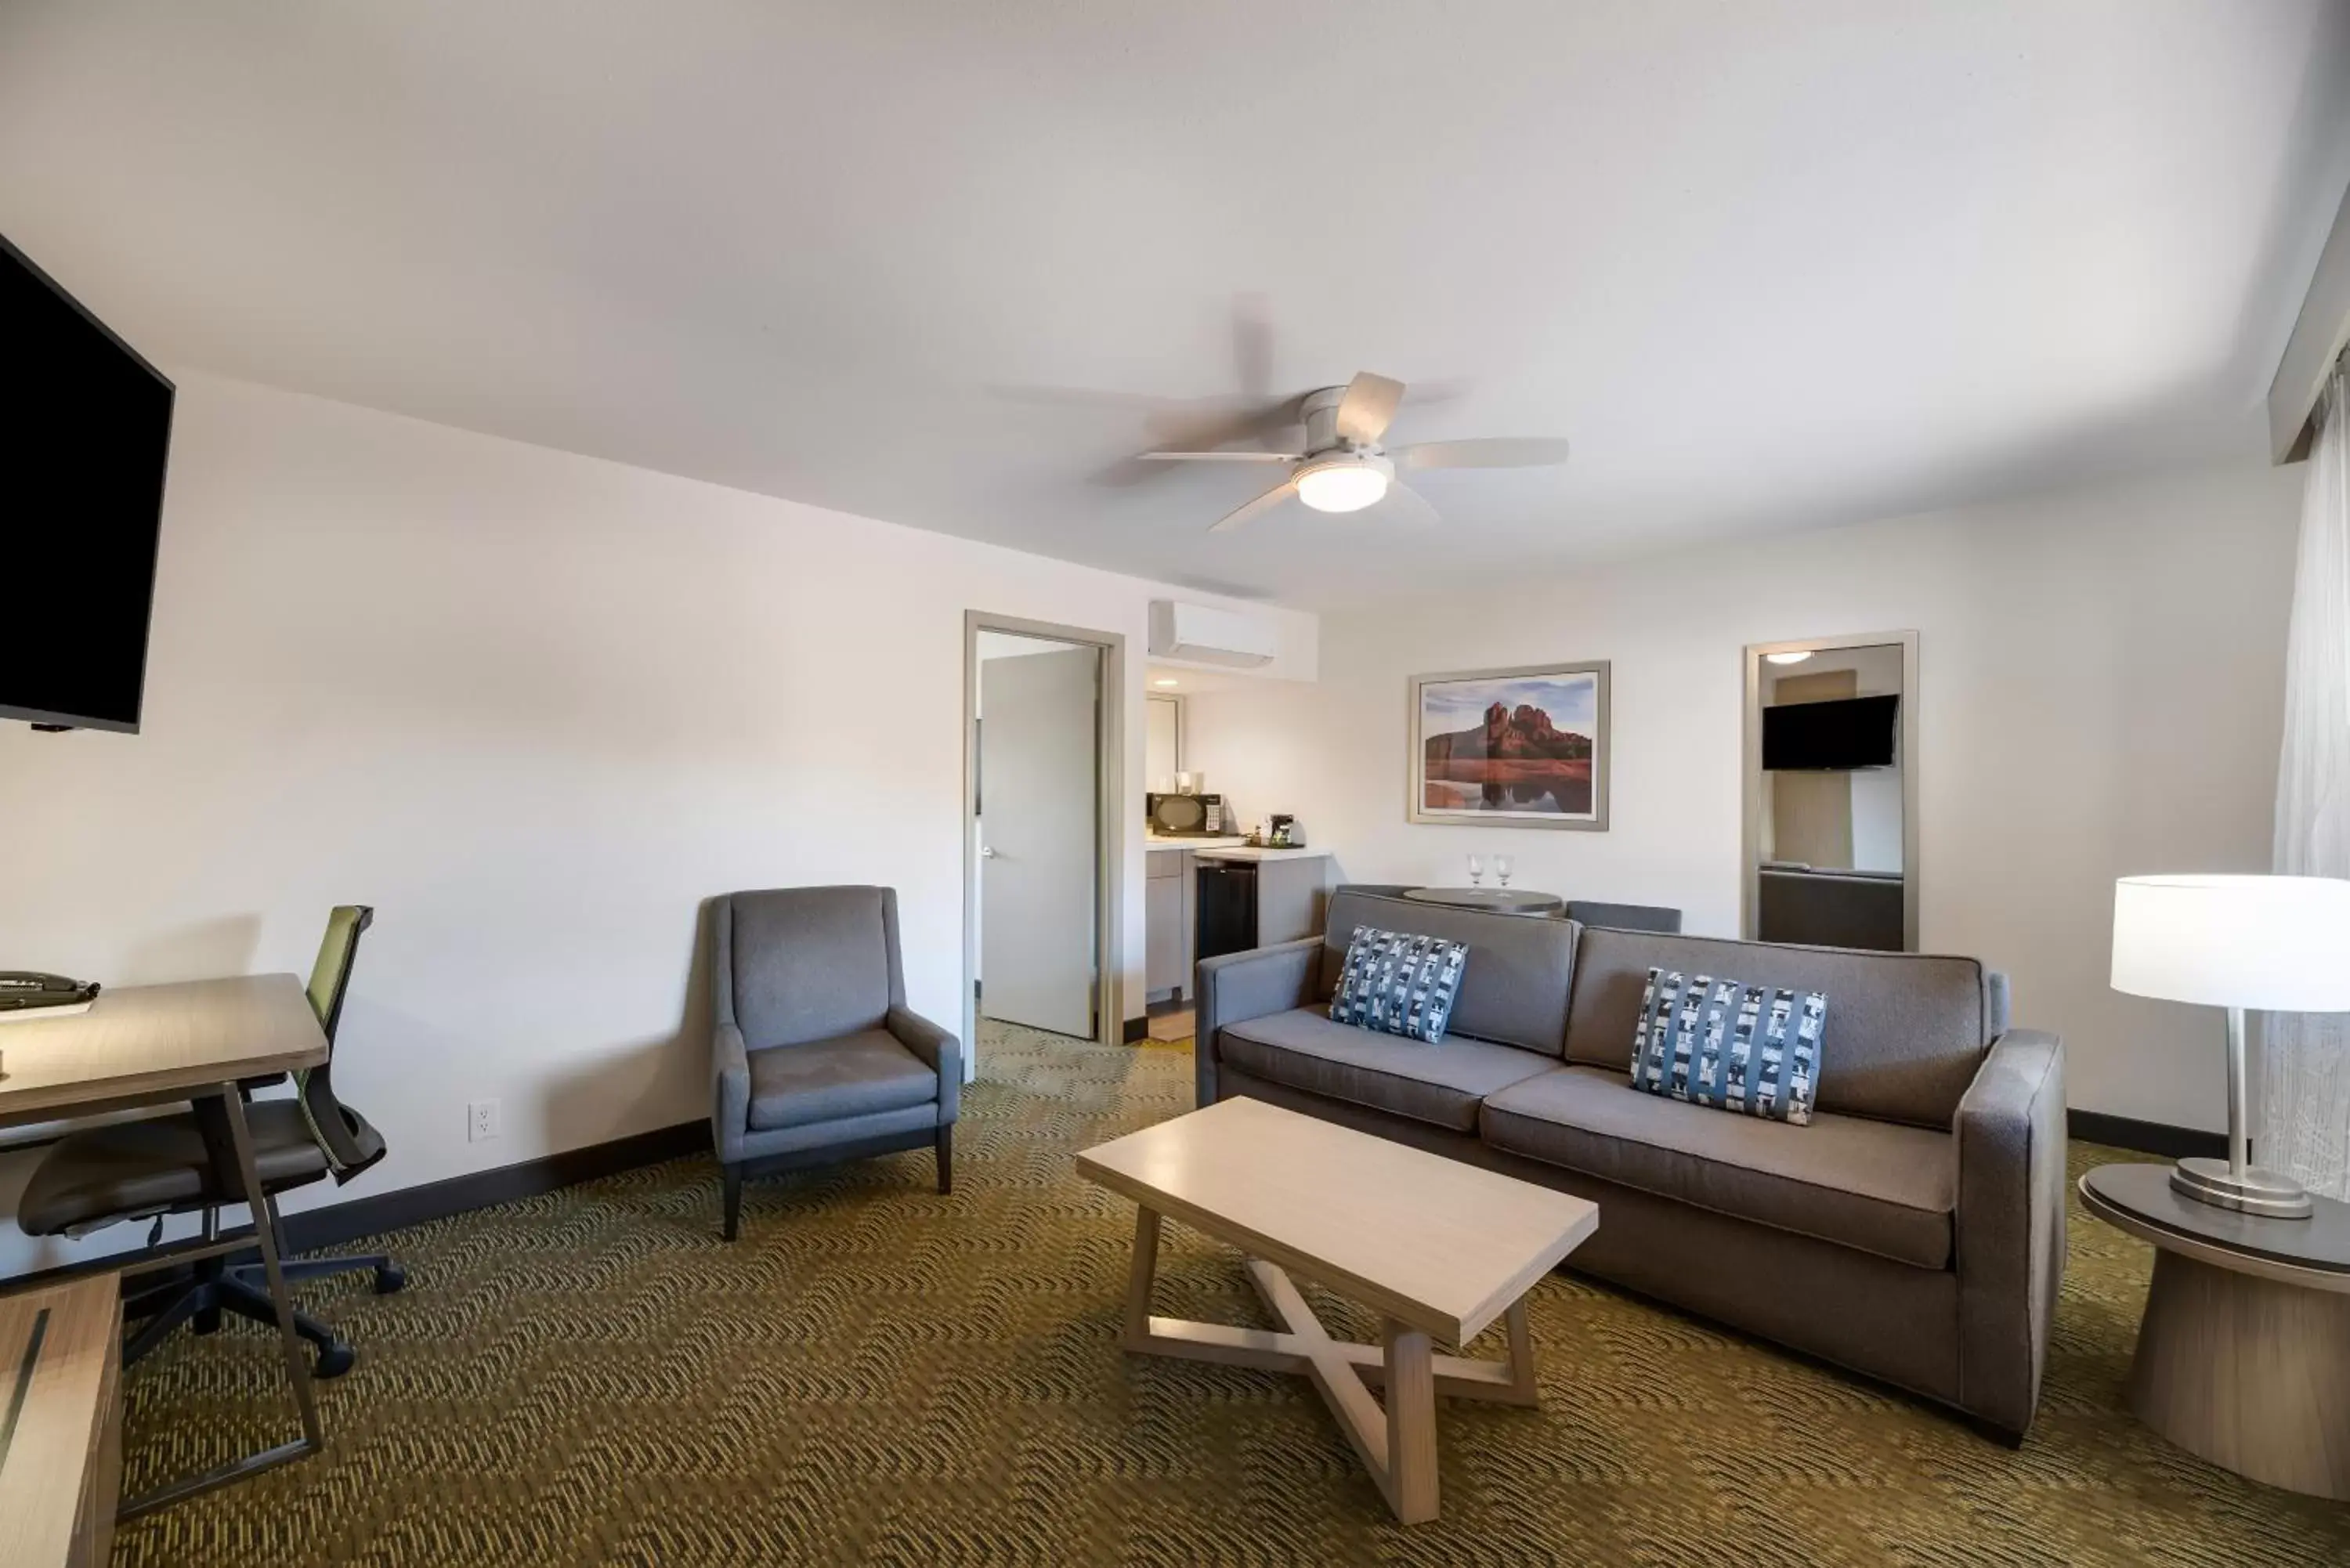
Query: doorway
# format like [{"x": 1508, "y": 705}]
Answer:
[
  {"x": 1832, "y": 792},
  {"x": 1042, "y": 889}
]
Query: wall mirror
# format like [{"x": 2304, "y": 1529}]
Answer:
[{"x": 1831, "y": 842}]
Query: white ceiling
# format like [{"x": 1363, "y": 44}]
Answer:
[{"x": 1767, "y": 264}]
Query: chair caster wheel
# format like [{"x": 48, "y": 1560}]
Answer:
[
  {"x": 388, "y": 1279},
  {"x": 334, "y": 1360}
]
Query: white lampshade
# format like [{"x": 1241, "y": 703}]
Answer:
[{"x": 2278, "y": 944}]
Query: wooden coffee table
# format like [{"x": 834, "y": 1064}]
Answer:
[{"x": 1439, "y": 1247}]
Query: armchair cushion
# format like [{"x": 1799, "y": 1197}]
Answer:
[{"x": 825, "y": 1080}]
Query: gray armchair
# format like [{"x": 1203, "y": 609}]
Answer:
[{"x": 813, "y": 1057}]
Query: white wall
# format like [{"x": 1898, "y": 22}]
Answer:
[
  {"x": 2100, "y": 693},
  {"x": 535, "y": 708}
]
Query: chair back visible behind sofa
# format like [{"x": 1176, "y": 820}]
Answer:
[
  {"x": 1905, "y": 1031},
  {"x": 1514, "y": 990}
]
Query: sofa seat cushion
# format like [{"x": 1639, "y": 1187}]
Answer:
[
  {"x": 825, "y": 1080},
  {"x": 1879, "y": 1186},
  {"x": 1303, "y": 1049}
]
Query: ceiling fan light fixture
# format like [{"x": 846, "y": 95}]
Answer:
[{"x": 1344, "y": 484}]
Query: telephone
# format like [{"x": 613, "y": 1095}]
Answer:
[{"x": 22, "y": 991}]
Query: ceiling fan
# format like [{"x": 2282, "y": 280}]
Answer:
[{"x": 1345, "y": 469}]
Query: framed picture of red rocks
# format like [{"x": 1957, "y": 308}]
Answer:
[{"x": 1511, "y": 748}]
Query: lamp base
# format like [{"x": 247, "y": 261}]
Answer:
[{"x": 2251, "y": 1190}]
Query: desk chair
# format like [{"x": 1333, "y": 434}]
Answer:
[{"x": 181, "y": 1164}]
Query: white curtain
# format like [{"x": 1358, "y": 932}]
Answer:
[{"x": 2305, "y": 1125}]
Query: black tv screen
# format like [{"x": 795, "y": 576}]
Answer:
[
  {"x": 1845, "y": 733},
  {"x": 83, "y": 443}
]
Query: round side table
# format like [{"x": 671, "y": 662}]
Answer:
[
  {"x": 1500, "y": 901},
  {"x": 2243, "y": 1355}
]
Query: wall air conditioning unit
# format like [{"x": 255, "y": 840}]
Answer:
[{"x": 1204, "y": 636}]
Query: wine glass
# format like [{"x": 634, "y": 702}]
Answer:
[
  {"x": 1502, "y": 868},
  {"x": 1476, "y": 870}
]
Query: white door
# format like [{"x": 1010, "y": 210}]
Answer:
[{"x": 1037, "y": 796}]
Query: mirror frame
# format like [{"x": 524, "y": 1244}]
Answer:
[{"x": 1751, "y": 770}]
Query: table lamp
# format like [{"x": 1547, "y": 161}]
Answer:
[{"x": 2278, "y": 944}]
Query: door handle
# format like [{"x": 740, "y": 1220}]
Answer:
[{"x": 986, "y": 853}]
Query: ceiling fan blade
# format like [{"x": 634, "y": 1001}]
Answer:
[
  {"x": 1496, "y": 452},
  {"x": 1404, "y": 504},
  {"x": 1265, "y": 502},
  {"x": 1220, "y": 456},
  {"x": 1370, "y": 405}
]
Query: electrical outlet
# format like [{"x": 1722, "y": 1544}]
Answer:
[{"x": 481, "y": 1121}]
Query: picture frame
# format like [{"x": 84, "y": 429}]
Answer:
[{"x": 1550, "y": 734}]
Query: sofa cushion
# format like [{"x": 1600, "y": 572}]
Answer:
[
  {"x": 1873, "y": 1185},
  {"x": 1513, "y": 988},
  {"x": 1726, "y": 1044},
  {"x": 825, "y": 1080},
  {"x": 1398, "y": 983},
  {"x": 1902, "y": 1041},
  {"x": 1303, "y": 1049}
]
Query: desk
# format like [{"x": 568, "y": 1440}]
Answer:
[
  {"x": 60, "y": 1374},
  {"x": 149, "y": 1045}
]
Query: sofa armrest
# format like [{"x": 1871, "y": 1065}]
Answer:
[
  {"x": 2011, "y": 1135},
  {"x": 1237, "y": 987},
  {"x": 730, "y": 1090},
  {"x": 934, "y": 1045}
]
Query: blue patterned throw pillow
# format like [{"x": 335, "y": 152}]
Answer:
[
  {"x": 1738, "y": 1047},
  {"x": 1398, "y": 983}
]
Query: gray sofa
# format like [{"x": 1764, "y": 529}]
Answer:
[{"x": 1914, "y": 1231}]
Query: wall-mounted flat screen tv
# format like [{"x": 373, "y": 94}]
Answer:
[
  {"x": 1847, "y": 734},
  {"x": 83, "y": 441}
]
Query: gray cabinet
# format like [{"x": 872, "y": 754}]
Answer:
[{"x": 1167, "y": 922}]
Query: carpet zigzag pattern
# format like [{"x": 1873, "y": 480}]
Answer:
[{"x": 876, "y": 1374}]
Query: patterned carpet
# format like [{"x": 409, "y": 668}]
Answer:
[{"x": 877, "y": 1374}]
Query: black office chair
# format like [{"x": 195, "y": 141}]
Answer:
[{"x": 183, "y": 1163}]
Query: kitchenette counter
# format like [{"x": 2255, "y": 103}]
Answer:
[
  {"x": 1219, "y": 884},
  {"x": 1253, "y": 856}
]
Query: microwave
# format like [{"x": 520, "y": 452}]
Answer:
[{"x": 1182, "y": 816}]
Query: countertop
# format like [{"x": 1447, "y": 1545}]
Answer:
[
  {"x": 1232, "y": 847},
  {"x": 1254, "y": 855}
]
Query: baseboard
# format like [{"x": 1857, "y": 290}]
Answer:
[
  {"x": 338, "y": 1223},
  {"x": 1137, "y": 1030},
  {"x": 2145, "y": 1138}
]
